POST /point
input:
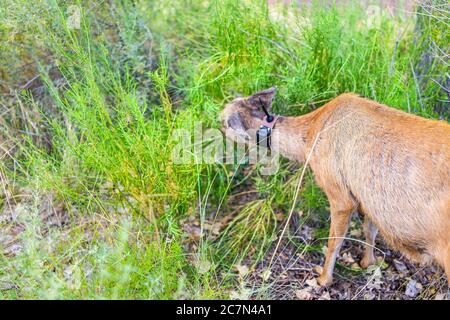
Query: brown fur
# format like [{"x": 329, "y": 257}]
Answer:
[{"x": 389, "y": 165}]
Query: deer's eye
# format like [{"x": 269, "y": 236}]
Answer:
[{"x": 257, "y": 114}]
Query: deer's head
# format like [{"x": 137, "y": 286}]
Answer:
[{"x": 243, "y": 116}]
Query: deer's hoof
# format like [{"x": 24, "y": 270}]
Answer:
[
  {"x": 367, "y": 262},
  {"x": 324, "y": 281}
]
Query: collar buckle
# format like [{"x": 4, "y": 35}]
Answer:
[{"x": 265, "y": 130}]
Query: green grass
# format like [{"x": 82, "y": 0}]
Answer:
[{"x": 98, "y": 135}]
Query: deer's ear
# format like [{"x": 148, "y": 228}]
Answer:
[{"x": 265, "y": 97}]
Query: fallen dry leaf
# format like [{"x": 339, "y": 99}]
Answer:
[
  {"x": 369, "y": 296},
  {"x": 441, "y": 296},
  {"x": 356, "y": 233},
  {"x": 375, "y": 280},
  {"x": 413, "y": 288},
  {"x": 312, "y": 283},
  {"x": 347, "y": 258},
  {"x": 303, "y": 294},
  {"x": 400, "y": 266},
  {"x": 325, "y": 296},
  {"x": 242, "y": 294},
  {"x": 242, "y": 269},
  {"x": 265, "y": 275},
  {"x": 203, "y": 266}
]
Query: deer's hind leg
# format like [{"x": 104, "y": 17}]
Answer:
[
  {"x": 341, "y": 208},
  {"x": 370, "y": 232}
]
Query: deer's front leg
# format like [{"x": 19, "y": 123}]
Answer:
[{"x": 339, "y": 224}]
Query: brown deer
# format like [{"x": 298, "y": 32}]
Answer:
[{"x": 390, "y": 166}]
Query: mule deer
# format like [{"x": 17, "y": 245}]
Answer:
[{"x": 391, "y": 166}]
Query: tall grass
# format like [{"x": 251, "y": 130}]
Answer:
[{"x": 96, "y": 133}]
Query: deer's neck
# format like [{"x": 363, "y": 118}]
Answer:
[{"x": 289, "y": 137}]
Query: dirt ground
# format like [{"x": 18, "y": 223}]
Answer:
[{"x": 292, "y": 272}]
